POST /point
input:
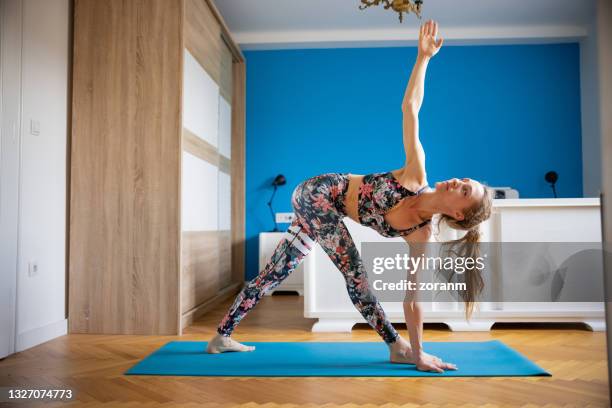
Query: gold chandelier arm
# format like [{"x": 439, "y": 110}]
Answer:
[
  {"x": 367, "y": 3},
  {"x": 410, "y": 8},
  {"x": 400, "y": 6}
]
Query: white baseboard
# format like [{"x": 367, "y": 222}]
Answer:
[{"x": 41, "y": 335}]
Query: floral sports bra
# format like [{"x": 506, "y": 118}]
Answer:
[{"x": 378, "y": 193}]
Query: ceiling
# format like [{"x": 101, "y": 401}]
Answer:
[{"x": 270, "y": 24}]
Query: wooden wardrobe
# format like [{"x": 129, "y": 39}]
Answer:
[{"x": 156, "y": 234}]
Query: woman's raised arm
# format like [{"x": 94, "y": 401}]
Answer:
[{"x": 413, "y": 98}]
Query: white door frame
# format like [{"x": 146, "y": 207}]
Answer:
[{"x": 10, "y": 157}]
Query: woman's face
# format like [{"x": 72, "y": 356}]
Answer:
[{"x": 459, "y": 195}]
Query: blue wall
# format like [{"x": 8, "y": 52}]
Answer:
[{"x": 504, "y": 115}]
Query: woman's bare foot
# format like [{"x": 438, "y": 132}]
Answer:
[{"x": 221, "y": 344}]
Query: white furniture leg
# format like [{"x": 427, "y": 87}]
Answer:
[
  {"x": 595, "y": 325},
  {"x": 288, "y": 288},
  {"x": 333, "y": 325},
  {"x": 481, "y": 325}
]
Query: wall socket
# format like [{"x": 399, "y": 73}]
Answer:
[
  {"x": 34, "y": 127},
  {"x": 32, "y": 268},
  {"x": 285, "y": 218}
]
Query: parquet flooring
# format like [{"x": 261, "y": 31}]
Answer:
[{"x": 92, "y": 366}]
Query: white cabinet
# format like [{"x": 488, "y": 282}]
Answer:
[
  {"x": 267, "y": 244},
  {"x": 513, "y": 220}
]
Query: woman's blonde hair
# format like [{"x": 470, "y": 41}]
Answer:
[{"x": 467, "y": 246}]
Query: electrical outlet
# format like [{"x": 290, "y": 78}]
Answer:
[
  {"x": 34, "y": 127},
  {"x": 285, "y": 218},
  {"x": 32, "y": 268}
]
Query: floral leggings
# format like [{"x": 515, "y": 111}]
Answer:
[{"x": 319, "y": 207}]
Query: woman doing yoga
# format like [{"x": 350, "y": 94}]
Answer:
[{"x": 394, "y": 203}]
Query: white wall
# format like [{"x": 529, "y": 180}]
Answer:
[
  {"x": 41, "y": 299},
  {"x": 10, "y": 113},
  {"x": 591, "y": 127}
]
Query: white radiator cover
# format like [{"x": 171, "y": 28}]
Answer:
[{"x": 513, "y": 220}]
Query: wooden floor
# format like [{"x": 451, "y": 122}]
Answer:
[{"x": 92, "y": 365}]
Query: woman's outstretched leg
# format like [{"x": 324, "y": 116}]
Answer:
[
  {"x": 289, "y": 253},
  {"x": 340, "y": 247}
]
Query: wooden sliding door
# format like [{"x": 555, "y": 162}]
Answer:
[
  {"x": 207, "y": 161},
  {"x": 157, "y": 165},
  {"x": 125, "y": 164}
]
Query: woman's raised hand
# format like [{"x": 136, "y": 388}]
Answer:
[{"x": 428, "y": 45}]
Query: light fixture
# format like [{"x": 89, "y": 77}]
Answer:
[
  {"x": 279, "y": 180},
  {"x": 400, "y": 6},
  {"x": 552, "y": 177}
]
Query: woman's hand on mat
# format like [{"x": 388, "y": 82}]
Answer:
[
  {"x": 402, "y": 353},
  {"x": 428, "y": 45},
  {"x": 428, "y": 362}
]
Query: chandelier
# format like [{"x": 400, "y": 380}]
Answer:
[{"x": 400, "y": 6}]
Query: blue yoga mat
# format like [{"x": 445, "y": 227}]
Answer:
[{"x": 474, "y": 359}]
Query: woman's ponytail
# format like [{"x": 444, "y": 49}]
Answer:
[{"x": 468, "y": 247}]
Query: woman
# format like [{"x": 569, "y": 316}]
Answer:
[{"x": 395, "y": 203}]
